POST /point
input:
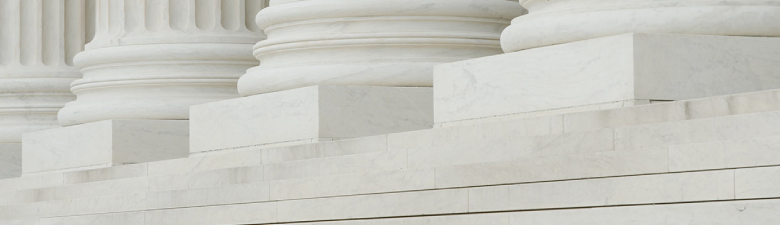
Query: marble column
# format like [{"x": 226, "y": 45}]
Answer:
[
  {"x": 371, "y": 42},
  {"x": 153, "y": 59},
  {"x": 563, "y": 21},
  {"x": 38, "y": 40}
]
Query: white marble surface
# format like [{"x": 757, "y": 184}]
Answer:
[
  {"x": 751, "y": 152},
  {"x": 325, "y": 111},
  {"x": 757, "y": 182},
  {"x": 557, "y": 22},
  {"x": 344, "y": 147},
  {"x": 371, "y": 42},
  {"x": 730, "y": 212},
  {"x": 111, "y": 173},
  {"x": 131, "y": 218},
  {"x": 665, "y": 188},
  {"x": 352, "y": 164},
  {"x": 155, "y": 60},
  {"x": 31, "y": 182},
  {"x": 698, "y": 131},
  {"x": 256, "y": 213},
  {"x": 10, "y": 160},
  {"x": 36, "y": 68},
  {"x": 110, "y": 142},
  {"x": 604, "y": 70},
  {"x": 353, "y": 184},
  {"x": 221, "y": 195},
  {"x": 207, "y": 179},
  {"x": 602, "y": 164},
  {"x": 380, "y": 205},
  {"x": 64, "y": 192},
  {"x": 471, "y": 219},
  {"x": 502, "y": 148}
]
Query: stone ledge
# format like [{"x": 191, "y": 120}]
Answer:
[
  {"x": 104, "y": 144},
  {"x": 623, "y": 68},
  {"x": 10, "y": 160},
  {"x": 311, "y": 113}
]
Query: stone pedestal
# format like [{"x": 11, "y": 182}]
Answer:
[
  {"x": 10, "y": 160},
  {"x": 307, "y": 115},
  {"x": 607, "y": 72},
  {"x": 371, "y": 42},
  {"x": 557, "y": 22},
  {"x": 104, "y": 144},
  {"x": 38, "y": 40},
  {"x": 154, "y": 59}
]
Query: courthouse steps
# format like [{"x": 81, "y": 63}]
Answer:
[{"x": 704, "y": 161}]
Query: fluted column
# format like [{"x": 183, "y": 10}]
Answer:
[
  {"x": 371, "y": 42},
  {"x": 152, "y": 59},
  {"x": 38, "y": 40},
  {"x": 552, "y": 22}
]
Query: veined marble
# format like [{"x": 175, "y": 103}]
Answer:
[
  {"x": 38, "y": 40},
  {"x": 620, "y": 69},
  {"x": 104, "y": 144},
  {"x": 154, "y": 59},
  {"x": 327, "y": 112},
  {"x": 564, "y": 21},
  {"x": 371, "y": 42}
]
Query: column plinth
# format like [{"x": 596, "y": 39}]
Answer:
[
  {"x": 38, "y": 39},
  {"x": 154, "y": 59},
  {"x": 372, "y": 42},
  {"x": 557, "y": 22}
]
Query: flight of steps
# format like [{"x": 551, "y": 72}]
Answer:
[{"x": 705, "y": 161}]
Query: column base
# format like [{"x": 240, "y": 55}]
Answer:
[
  {"x": 104, "y": 144},
  {"x": 309, "y": 114},
  {"x": 10, "y": 160},
  {"x": 608, "y": 72}
]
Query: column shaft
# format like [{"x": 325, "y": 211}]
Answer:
[
  {"x": 371, "y": 42},
  {"x": 152, "y": 59},
  {"x": 38, "y": 40}
]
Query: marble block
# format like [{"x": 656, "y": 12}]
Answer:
[
  {"x": 615, "y": 71},
  {"x": 309, "y": 114},
  {"x": 10, "y": 160},
  {"x": 103, "y": 144}
]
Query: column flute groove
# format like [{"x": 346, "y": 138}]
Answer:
[
  {"x": 152, "y": 59},
  {"x": 38, "y": 41}
]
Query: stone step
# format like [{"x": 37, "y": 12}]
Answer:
[
  {"x": 428, "y": 148},
  {"x": 548, "y": 125},
  {"x": 672, "y": 188},
  {"x": 31, "y": 182},
  {"x": 751, "y": 152},
  {"x": 285, "y": 174},
  {"x": 433, "y": 152},
  {"x": 74, "y": 207},
  {"x": 348, "y": 164},
  {"x": 726, "y": 212},
  {"x": 356, "y": 165},
  {"x": 260, "y": 156},
  {"x": 657, "y": 112},
  {"x": 729, "y": 184},
  {"x": 76, "y": 191},
  {"x": 698, "y": 131}
]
